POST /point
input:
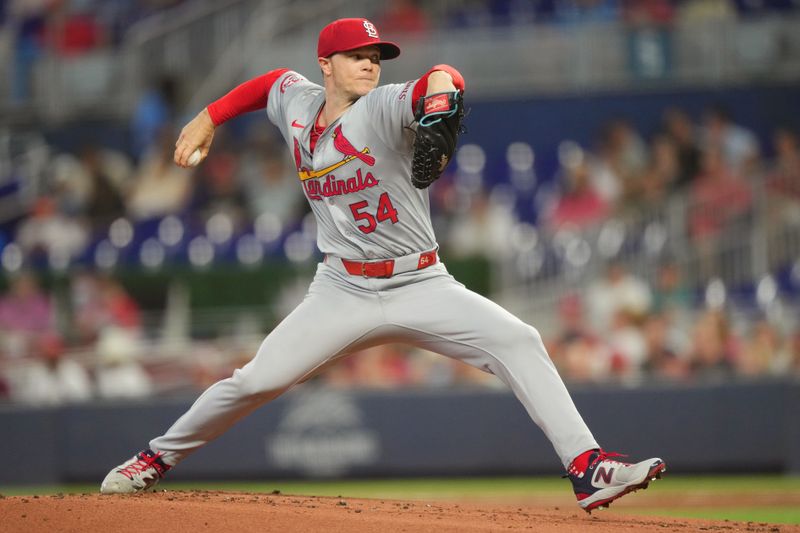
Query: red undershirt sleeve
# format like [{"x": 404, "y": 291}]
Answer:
[
  {"x": 422, "y": 85},
  {"x": 250, "y": 96}
]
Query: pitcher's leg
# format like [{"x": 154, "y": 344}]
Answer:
[
  {"x": 321, "y": 327},
  {"x": 459, "y": 323},
  {"x": 229, "y": 400}
]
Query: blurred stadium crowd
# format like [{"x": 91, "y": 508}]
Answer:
[
  {"x": 82, "y": 215},
  {"x": 70, "y": 28}
]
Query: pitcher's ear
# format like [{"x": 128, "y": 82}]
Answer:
[{"x": 325, "y": 65}]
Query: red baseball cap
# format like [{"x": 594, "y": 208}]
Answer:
[{"x": 348, "y": 34}]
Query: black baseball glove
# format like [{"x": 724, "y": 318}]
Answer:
[{"x": 439, "y": 116}]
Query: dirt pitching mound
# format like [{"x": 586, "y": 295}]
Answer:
[{"x": 199, "y": 511}]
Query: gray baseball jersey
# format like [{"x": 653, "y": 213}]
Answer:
[{"x": 357, "y": 180}]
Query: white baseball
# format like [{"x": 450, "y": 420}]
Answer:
[{"x": 194, "y": 159}]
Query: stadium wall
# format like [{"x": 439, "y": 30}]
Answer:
[{"x": 317, "y": 433}]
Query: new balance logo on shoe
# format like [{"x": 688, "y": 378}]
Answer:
[
  {"x": 602, "y": 473},
  {"x": 609, "y": 478}
]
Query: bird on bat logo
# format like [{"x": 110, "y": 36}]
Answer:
[{"x": 343, "y": 145}]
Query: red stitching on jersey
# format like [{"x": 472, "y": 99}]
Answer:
[{"x": 289, "y": 80}]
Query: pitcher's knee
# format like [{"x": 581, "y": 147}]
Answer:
[
  {"x": 251, "y": 385},
  {"x": 523, "y": 336},
  {"x": 522, "y": 342}
]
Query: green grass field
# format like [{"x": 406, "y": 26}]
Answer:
[{"x": 773, "y": 499}]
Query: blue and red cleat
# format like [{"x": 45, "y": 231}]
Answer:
[{"x": 598, "y": 479}]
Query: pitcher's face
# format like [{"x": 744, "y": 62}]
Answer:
[{"x": 355, "y": 72}]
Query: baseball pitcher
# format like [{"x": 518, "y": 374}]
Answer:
[{"x": 365, "y": 156}]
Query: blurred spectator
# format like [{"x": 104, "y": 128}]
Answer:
[
  {"x": 338, "y": 374},
  {"x": 393, "y": 366},
  {"x": 671, "y": 295},
  {"x": 383, "y": 367},
  {"x": 580, "y": 205},
  {"x": 713, "y": 347},
  {"x": 586, "y": 360},
  {"x": 88, "y": 313},
  {"x": 762, "y": 352},
  {"x": 52, "y": 378},
  {"x": 122, "y": 310},
  {"x": 119, "y": 375},
  {"x": 579, "y": 353},
  {"x": 51, "y": 233},
  {"x": 679, "y": 128},
  {"x": 737, "y": 145},
  {"x": 160, "y": 187},
  {"x": 380, "y": 367},
  {"x": 649, "y": 36},
  {"x": 108, "y": 172},
  {"x": 573, "y": 323},
  {"x": 93, "y": 184},
  {"x": 482, "y": 230},
  {"x": 154, "y": 112},
  {"x": 101, "y": 302},
  {"x": 619, "y": 291},
  {"x": 664, "y": 163},
  {"x": 627, "y": 342},
  {"x": 787, "y": 156},
  {"x": 72, "y": 28},
  {"x": 718, "y": 202},
  {"x": 718, "y": 198},
  {"x": 783, "y": 178},
  {"x": 782, "y": 200},
  {"x": 665, "y": 357},
  {"x": 28, "y": 19},
  {"x": 216, "y": 188},
  {"x": 116, "y": 17},
  {"x": 270, "y": 186},
  {"x": 26, "y": 315},
  {"x": 433, "y": 370},
  {"x": 70, "y": 183},
  {"x": 651, "y": 189},
  {"x": 403, "y": 16},
  {"x": 623, "y": 157}
]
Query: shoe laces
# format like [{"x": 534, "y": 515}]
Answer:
[
  {"x": 609, "y": 457},
  {"x": 602, "y": 455},
  {"x": 145, "y": 462}
]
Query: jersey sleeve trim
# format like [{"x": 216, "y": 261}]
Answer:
[{"x": 251, "y": 95}]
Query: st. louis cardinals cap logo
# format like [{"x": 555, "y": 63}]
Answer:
[
  {"x": 344, "y": 146},
  {"x": 371, "y": 30}
]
